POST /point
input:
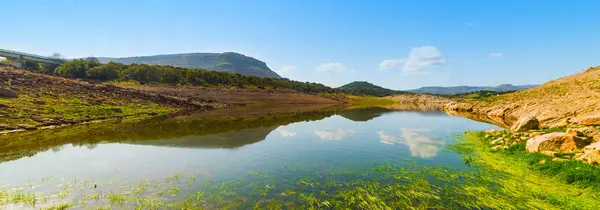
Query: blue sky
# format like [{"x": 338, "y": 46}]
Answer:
[{"x": 395, "y": 44}]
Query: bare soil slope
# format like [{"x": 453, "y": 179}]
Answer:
[
  {"x": 45, "y": 100},
  {"x": 566, "y": 101}
]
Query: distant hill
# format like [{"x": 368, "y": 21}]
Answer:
[
  {"x": 366, "y": 88},
  {"x": 468, "y": 89},
  {"x": 224, "y": 62}
]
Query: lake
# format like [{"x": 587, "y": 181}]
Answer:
[{"x": 280, "y": 159}]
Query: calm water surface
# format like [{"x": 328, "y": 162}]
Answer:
[{"x": 230, "y": 149}]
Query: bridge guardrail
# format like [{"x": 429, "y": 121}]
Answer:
[{"x": 32, "y": 55}]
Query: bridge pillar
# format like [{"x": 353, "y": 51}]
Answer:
[{"x": 15, "y": 62}]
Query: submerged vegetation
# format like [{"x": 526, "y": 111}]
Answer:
[{"x": 490, "y": 182}]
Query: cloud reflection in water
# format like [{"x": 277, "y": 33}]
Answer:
[
  {"x": 332, "y": 134},
  {"x": 418, "y": 143}
]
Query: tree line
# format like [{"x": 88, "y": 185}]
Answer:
[{"x": 91, "y": 68}]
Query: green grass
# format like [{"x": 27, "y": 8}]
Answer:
[
  {"x": 533, "y": 177},
  {"x": 569, "y": 171},
  {"x": 493, "y": 183},
  {"x": 68, "y": 108}
]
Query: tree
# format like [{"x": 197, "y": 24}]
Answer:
[
  {"x": 106, "y": 72},
  {"x": 30, "y": 65},
  {"x": 48, "y": 68},
  {"x": 57, "y": 56},
  {"x": 75, "y": 69}
]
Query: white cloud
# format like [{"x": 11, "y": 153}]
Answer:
[
  {"x": 332, "y": 134},
  {"x": 496, "y": 55},
  {"x": 387, "y": 139},
  {"x": 331, "y": 68},
  {"x": 421, "y": 145},
  {"x": 390, "y": 64},
  {"x": 418, "y": 59},
  {"x": 286, "y": 133},
  {"x": 286, "y": 69}
]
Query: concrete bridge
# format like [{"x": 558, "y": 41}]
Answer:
[{"x": 16, "y": 58}]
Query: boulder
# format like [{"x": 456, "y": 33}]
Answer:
[
  {"x": 589, "y": 132},
  {"x": 589, "y": 156},
  {"x": 497, "y": 141},
  {"x": 534, "y": 134},
  {"x": 593, "y": 146},
  {"x": 8, "y": 93},
  {"x": 557, "y": 142},
  {"x": 574, "y": 132},
  {"x": 590, "y": 120},
  {"x": 526, "y": 123}
]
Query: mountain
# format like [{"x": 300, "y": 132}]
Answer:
[
  {"x": 224, "y": 62},
  {"x": 467, "y": 89},
  {"x": 366, "y": 88}
]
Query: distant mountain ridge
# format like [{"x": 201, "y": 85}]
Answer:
[
  {"x": 366, "y": 88},
  {"x": 224, "y": 62},
  {"x": 467, "y": 89}
]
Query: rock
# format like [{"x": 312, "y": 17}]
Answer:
[
  {"x": 557, "y": 142},
  {"x": 497, "y": 147},
  {"x": 6, "y": 127},
  {"x": 117, "y": 110},
  {"x": 8, "y": 93},
  {"x": 534, "y": 134},
  {"x": 26, "y": 127},
  {"x": 590, "y": 120},
  {"x": 494, "y": 132},
  {"x": 593, "y": 146},
  {"x": 585, "y": 132},
  {"x": 39, "y": 119},
  {"x": 523, "y": 138},
  {"x": 574, "y": 132},
  {"x": 39, "y": 102},
  {"x": 589, "y": 156},
  {"x": 526, "y": 123},
  {"x": 497, "y": 141}
]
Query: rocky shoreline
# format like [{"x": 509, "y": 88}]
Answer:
[{"x": 582, "y": 143}]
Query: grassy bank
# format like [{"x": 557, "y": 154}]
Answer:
[
  {"x": 44, "y": 100},
  {"x": 532, "y": 178}
]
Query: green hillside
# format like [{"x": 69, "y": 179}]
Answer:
[
  {"x": 224, "y": 62},
  {"x": 366, "y": 88}
]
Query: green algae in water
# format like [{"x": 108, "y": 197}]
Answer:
[{"x": 407, "y": 186}]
